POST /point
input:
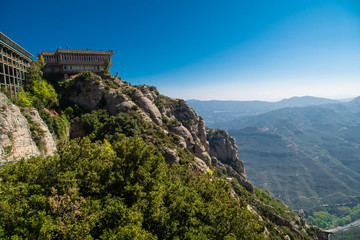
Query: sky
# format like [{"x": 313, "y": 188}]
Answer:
[{"x": 206, "y": 49}]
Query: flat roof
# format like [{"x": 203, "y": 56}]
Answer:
[
  {"x": 110, "y": 52},
  {"x": 48, "y": 53},
  {"x": 5, "y": 39}
]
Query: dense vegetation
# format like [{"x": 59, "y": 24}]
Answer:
[
  {"x": 340, "y": 217},
  {"x": 123, "y": 191},
  {"x": 348, "y": 234},
  {"x": 39, "y": 93},
  {"x": 113, "y": 183}
]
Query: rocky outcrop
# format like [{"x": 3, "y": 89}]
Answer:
[
  {"x": 15, "y": 136},
  {"x": 223, "y": 150},
  {"x": 46, "y": 143},
  {"x": 172, "y": 115},
  {"x": 94, "y": 93},
  {"x": 148, "y": 106},
  {"x": 117, "y": 102},
  {"x": 16, "y": 139}
]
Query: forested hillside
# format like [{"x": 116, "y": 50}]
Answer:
[{"x": 132, "y": 164}]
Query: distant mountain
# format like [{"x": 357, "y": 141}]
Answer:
[
  {"x": 307, "y": 156},
  {"x": 303, "y": 101},
  {"x": 217, "y": 112},
  {"x": 306, "y": 150}
]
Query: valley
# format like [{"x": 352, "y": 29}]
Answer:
[{"x": 307, "y": 156}]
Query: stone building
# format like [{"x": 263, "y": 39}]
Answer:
[
  {"x": 14, "y": 62},
  {"x": 68, "y": 62}
]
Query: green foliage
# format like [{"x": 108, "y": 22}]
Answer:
[
  {"x": 106, "y": 69},
  {"x": 348, "y": 234},
  {"x": 99, "y": 125},
  {"x": 36, "y": 131},
  {"x": 57, "y": 125},
  {"x": 38, "y": 91},
  {"x": 110, "y": 84},
  {"x": 165, "y": 101},
  {"x": 339, "y": 217},
  {"x": 42, "y": 93},
  {"x": 125, "y": 190},
  {"x": 23, "y": 99},
  {"x": 84, "y": 76},
  {"x": 64, "y": 84}
]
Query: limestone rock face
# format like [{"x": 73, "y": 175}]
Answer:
[
  {"x": 223, "y": 151},
  {"x": 195, "y": 136},
  {"x": 15, "y": 136},
  {"x": 117, "y": 102},
  {"x": 46, "y": 141},
  {"x": 87, "y": 94},
  {"x": 182, "y": 131},
  {"x": 174, "y": 116},
  {"x": 148, "y": 106},
  {"x": 222, "y": 146}
]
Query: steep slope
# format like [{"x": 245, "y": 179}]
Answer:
[
  {"x": 309, "y": 157},
  {"x": 16, "y": 141},
  {"x": 112, "y": 180},
  {"x": 18, "y": 138},
  {"x": 165, "y": 115},
  {"x": 114, "y": 107}
]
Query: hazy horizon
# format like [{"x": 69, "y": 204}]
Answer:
[
  {"x": 232, "y": 50},
  {"x": 277, "y": 100}
]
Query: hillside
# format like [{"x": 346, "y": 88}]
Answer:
[
  {"x": 109, "y": 176},
  {"x": 306, "y": 156}
]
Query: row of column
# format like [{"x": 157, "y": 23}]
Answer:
[
  {"x": 83, "y": 57},
  {"x": 12, "y": 71}
]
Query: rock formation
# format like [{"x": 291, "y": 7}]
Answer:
[
  {"x": 16, "y": 140},
  {"x": 172, "y": 115},
  {"x": 15, "y": 136},
  {"x": 95, "y": 93},
  {"x": 223, "y": 151},
  {"x": 46, "y": 145}
]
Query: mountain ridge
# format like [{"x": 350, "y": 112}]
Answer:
[{"x": 216, "y": 112}]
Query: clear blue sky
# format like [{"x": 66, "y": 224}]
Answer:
[{"x": 238, "y": 50}]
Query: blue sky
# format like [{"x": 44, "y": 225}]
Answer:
[{"x": 229, "y": 50}]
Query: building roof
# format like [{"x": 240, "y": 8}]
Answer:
[
  {"x": 110, "y": 52},
  {"x": 47, "y": 53},
  {"x": 5, "y": 39}
]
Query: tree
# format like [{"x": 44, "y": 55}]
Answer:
[{"x": 106, "y": 69}]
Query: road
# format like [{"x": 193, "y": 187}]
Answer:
[{"x": 337, "y": 229}]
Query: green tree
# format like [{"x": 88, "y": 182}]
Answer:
[
  {"x": 120, "y": 191},
  {"x": 106, "y": 69}
]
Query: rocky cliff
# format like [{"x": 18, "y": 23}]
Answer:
[
  {"x": 223, "y": 151},
  {"x": 172, "y": 116},
  {"x": 16, "y": 138}
]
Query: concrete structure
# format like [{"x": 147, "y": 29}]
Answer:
[
  {"x": 14, "y": 62},
  {"x": 68, "y": 62}
]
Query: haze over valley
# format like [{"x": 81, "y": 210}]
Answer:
[{"x": 304, "y": 150}]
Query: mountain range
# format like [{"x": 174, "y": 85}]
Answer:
[
  {"x": 215, "y": 112},
  {"x": 305, "y": 151}
]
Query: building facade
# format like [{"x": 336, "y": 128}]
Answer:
[
  {"x": 68, "y": 62},
  {"x": 14, "y": 62}
]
